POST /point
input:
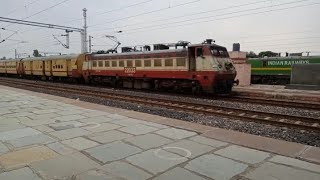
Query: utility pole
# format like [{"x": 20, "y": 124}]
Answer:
[
  {"x": 84, "y": 35},
  {"x": 90, "y": 44},
  {"x": 15, "y": 53}
]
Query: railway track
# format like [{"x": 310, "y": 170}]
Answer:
[
  {"x": 289, "y": 121},
  {"x": 273, "y": 102}
]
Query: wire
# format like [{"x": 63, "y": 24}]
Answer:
[
  {"x": 46, "y": 9},
  {"x": 149, "y": 12},
  {"x": 236, "y": 16},
  {"x": 206, "y": 17},
  {"x": 29, "y": 4},
  {"x": 193, "y": 14}
]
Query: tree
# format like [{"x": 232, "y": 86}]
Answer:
[
  {"x": 251, "y": 54},
  {"x": 268, "y": 54},
  {"x": 3, "y": 58},
  {"x": 36, "y": 53}
]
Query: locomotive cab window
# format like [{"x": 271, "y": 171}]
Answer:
[{"x": 199, "y": 52}]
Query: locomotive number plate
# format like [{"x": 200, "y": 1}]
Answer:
[{"x": 129, "y": 70}]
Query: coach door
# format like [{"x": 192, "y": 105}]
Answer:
[
  {"x": 69, "y": 67},
  {"x": 192, "y": 58}
]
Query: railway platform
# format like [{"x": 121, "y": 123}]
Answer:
[
  {"x": 49, "y": 137},
  {"x": 279, "y": 92}
]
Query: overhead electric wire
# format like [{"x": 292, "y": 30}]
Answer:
[
  {"x": 206, "y": 21},
  {"x": 29, "y": 4},
  {"x": 223, "y": 14},
  {"x": 149, "y": 12},
  {"x": 193, "y": 14}
]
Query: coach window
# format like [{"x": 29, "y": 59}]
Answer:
[
  {"x": 181, "y": 62},
  {"x": 121, "y": 63},
  {"x": 114, "y": 64},
  {"x": 168, "y": 62},
  {"x": 138, "y": 63},
  {"x": 129, "y": 63},
  {"x": 61, "y": 66},
  {"x": 147, "y": 63},
  {"x": 94, "y": 63},
  {"x": 100, "y": 63},
  {"x": 157, "y": 63},
  {"x": 106, "y": 63}
]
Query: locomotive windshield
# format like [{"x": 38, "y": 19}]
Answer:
[{"x": 219, "y": 52}]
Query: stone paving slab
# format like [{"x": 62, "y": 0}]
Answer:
[
  {"x": 26, "y": 156},
  {"x": 188, "y": 148},
  {"x": 23, "y": 173},
  {"x": 174, "y": 133},
  {"x": 109, "y": 136},
  {"x": 69, "y": 133},
  {"x": 60, "y": 148},
  {"x": 296, "y": 163},
  {"x": 97, "y": 127},
  {"x": 138, "y": 129},
  {"x": 71, "y": 141},
  {"x": 155, "y": 161},
  {"x": 64, "y": 166},
  {"x": 148, "y": 141},
  {"x": 126, "y": 171},
  {"x": 18, "y": 133},
  {"x": 3, "y": 148},
  {"x": 112, "y": 152},
  {"x": 216, "y": 167},
  {"x": 80, "y": 143},
  {"x": 31, "y": 140},
  {"x": 243, "y": 154},
  {"x": 269, "y": 171},
  {"x": 179, "y": 173}
]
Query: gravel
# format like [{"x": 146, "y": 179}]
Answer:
[{"x": 293, "y": 135}]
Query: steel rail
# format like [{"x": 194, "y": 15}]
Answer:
[{"x": 298, "y": 122}]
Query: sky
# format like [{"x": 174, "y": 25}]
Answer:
[{"x": 258, "y": 25}]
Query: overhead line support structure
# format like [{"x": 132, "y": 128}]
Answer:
[{"x": 83, "y": 32}]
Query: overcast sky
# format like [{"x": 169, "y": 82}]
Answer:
[{"x": 277, "y": 25}]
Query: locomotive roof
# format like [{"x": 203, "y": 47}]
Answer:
[
  {"x": 142, "y": 53},
  {"x": 46, "y": 58}
]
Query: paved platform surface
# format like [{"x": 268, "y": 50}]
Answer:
[
  {"x": 278, "y": 91},
  {"x": 47, "y": 137}
]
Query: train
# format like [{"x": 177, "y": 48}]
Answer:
[
  {"x": 204, "y": 67},
  {"x": 277, "y": 70}
]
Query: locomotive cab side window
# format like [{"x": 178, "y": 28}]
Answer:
[{"x": 199, "y": 52}]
